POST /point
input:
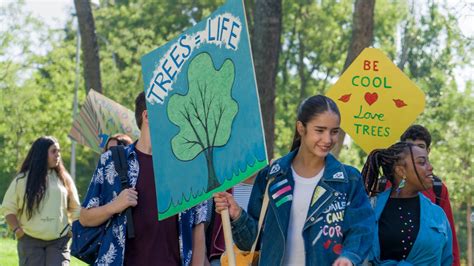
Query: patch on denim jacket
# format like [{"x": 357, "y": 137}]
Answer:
[
  {"x": 318, "y": 192},
  {"x": 278, "y": 184},
  {"x": 281, "y": 192},
  {"x": 284, "y": 199},
  {"x": 275, "y": 168},
  {"x": 338, "y": 175}
]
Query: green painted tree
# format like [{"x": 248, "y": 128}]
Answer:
[{"x": 205, "y": 114}]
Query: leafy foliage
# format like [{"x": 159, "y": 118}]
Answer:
[{"x": 37, "y": 72}]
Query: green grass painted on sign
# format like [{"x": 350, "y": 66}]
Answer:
[{"x": 228, "y": 183}]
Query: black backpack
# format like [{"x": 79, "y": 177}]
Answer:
[
  {"x": 437, "y": 188},
  {"x": 121, "y": 166}
]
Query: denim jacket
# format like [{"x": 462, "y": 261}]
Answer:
[
  {"x": 340, "y": 221},
  {"x": 433, "y": 244},
  {"x": 105, "y": 187}
]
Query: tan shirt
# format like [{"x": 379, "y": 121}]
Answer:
[{"x": 54, "y": 213}]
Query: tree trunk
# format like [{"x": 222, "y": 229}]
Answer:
[
  {"x": 362, "y": 37},
  {"x": 249, "y": 11},
  {"x": 266, "y": 48},
  {"x": 212, "y": 181},
  {"x": 469, "y": 231},
  {"x": 90, "y": 47},
  {"x": 301, "y": 67},
  {"x": 405, "y": 47},
  {"x": 407, "y": 38}
]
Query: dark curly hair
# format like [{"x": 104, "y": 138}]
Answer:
[{"x": 417, "y": 132}]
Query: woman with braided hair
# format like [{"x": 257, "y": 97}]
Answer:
[{"x": 411, "y": 230}]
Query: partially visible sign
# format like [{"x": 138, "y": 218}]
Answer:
[
  {"x": 377, "y": 100},
  {"x": 99, "y": 118}
]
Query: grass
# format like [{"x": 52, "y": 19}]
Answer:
[
  {"x": 8, "y": 252},
  {"x": 9, "y": 256}
]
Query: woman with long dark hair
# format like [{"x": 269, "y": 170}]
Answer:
[
  {"x": 411, "y": 230},
  {"x": 318, "y": 212},
  {"x": 39, "y": 205}
]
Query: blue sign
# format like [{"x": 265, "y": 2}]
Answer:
[{"x": 203, "y": 109}]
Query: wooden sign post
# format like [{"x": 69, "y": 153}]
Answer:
[{"x": 229, "y": 243}]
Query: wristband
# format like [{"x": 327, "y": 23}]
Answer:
[{"x": 16, "y": 229}]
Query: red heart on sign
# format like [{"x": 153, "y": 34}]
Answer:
[{"x": 370, "y": 98}]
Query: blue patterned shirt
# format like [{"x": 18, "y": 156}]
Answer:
[{"x": 105, "y": 187}]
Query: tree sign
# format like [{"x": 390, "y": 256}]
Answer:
[
  {"x": 377, "y": 100},
  {"x": 203, "y": 108},
  {"x": 99, "y": 118}
]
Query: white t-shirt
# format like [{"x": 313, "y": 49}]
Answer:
[{"x": 302, "y": 193}]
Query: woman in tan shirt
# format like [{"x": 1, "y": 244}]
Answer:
[{"x": 39, "y": 205}]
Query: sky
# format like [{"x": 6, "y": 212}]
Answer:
[
  {"x": 56, "y": 12},
  {"x": 53, "y": 12}
]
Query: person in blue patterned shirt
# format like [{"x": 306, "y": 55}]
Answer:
[{"x": 178, "y": 240}]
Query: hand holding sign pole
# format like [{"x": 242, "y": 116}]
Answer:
[{"x": 377, "y": 100}]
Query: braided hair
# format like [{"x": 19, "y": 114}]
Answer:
[{"x": 386, "y": 159}]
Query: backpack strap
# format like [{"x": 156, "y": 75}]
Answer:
[
  {"x": 382, "y": 184},
  {"x": 263, "y": 212},
  {"x": 437, "y": 188},
  {"x": 121, "y": 166}
]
